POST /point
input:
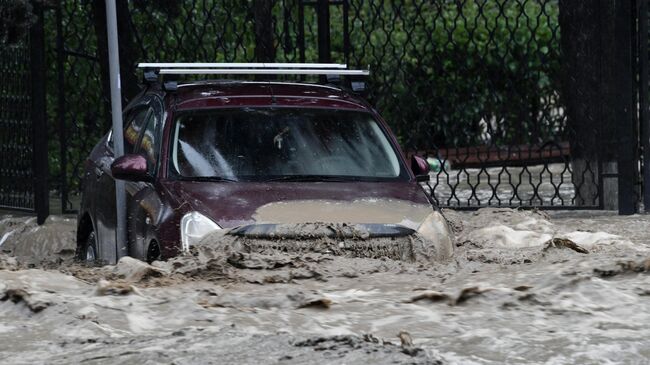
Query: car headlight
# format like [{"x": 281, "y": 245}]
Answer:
[
  {"x": 195, "y": 226},
  {"x": 435, "y": 229}
]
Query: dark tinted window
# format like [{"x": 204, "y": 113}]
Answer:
[
  {"x": 149, "y": 145},
  {"x": 134, "y": 126},
  {"x": 258, "y": 143}
]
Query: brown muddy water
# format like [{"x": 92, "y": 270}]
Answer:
[{"x": 522, "y": 287}]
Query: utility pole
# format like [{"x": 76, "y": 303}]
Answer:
[{"x": 118, "y": 137}]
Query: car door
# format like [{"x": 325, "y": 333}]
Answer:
[
  {"x": 143, "y": 203},
  {"x": 105, "y": 210}
]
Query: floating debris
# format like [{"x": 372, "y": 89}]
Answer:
[
  {"x": 563, "y": 243},
  {"x": 430, "y": 295},
  {"x": 19, "y": 295},
  {"x": 105, "y": 287},
  {"x": 624, "y": 267}
]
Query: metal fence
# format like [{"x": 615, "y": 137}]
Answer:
[
  {"x": 16, "y": 132},
  {"x": 23, "y": 150},
  {"x": 476, "y": 84},
  {"x": 508, "y": 97}
]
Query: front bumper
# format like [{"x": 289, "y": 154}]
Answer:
[{"x": 321, "y": 230}]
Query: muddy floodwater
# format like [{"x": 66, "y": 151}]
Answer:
[{"x": 522, "y": 287}]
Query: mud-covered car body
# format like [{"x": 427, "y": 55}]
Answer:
[{"x": 167, "y": 211}]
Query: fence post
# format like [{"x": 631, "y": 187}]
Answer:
[
  {"x": 644, "y": 98},
  {"x": 323, "y": 15},
  {"x": 346, "y": 31},
  {"x": 263, "y": 15},
  {"x": 60, "y": 112},
  {"x": 586, "y": 26},
  {"x": 625, "y": 106},
  {"x": 39, "y": 122},
  {"x": 116, "y": 116},
  {"x": 301, "y": 30}
]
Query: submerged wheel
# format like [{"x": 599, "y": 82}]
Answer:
[
  {"x": 153, "y": 252},
  {"x": 88, "y": 252}
]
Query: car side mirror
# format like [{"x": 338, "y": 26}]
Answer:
[
  {"x": 130, "y": 168},
  {"x": 420, "y": 168}
]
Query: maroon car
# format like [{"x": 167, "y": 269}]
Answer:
[{"x": 230, "y": 154}]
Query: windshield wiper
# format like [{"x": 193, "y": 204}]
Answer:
[{"x": 313, "y": 178}]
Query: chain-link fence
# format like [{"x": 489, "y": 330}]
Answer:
[
  {"x": 23, "y": 139},
  {"x": 16, "y": 147},
  {"x": 477, "y": 86}
]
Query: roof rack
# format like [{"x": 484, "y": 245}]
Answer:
[
  {"x": 252, "y": 69},
  {"x": 244, "y": 65},
  {"x": 332, "y": 71}
]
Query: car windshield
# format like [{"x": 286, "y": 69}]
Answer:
[{"x": 261, "y": 144}]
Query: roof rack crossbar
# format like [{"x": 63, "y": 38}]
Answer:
[
  {"x": 257, "y": 65},
  {"x": 216, "y": 71}
]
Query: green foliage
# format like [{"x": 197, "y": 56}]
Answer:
[
  {"x": 464, "y": 73},
  {"x": 194, "y": 31}
]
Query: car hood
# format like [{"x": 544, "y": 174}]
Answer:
[{"x": 235, "y": 204}]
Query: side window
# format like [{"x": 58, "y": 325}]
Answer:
[
  {"x": 135, "y": 124},
  {"x": 149, "y": 145}
]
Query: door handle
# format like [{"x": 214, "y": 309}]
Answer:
[{"x": 98, "y": 172}]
